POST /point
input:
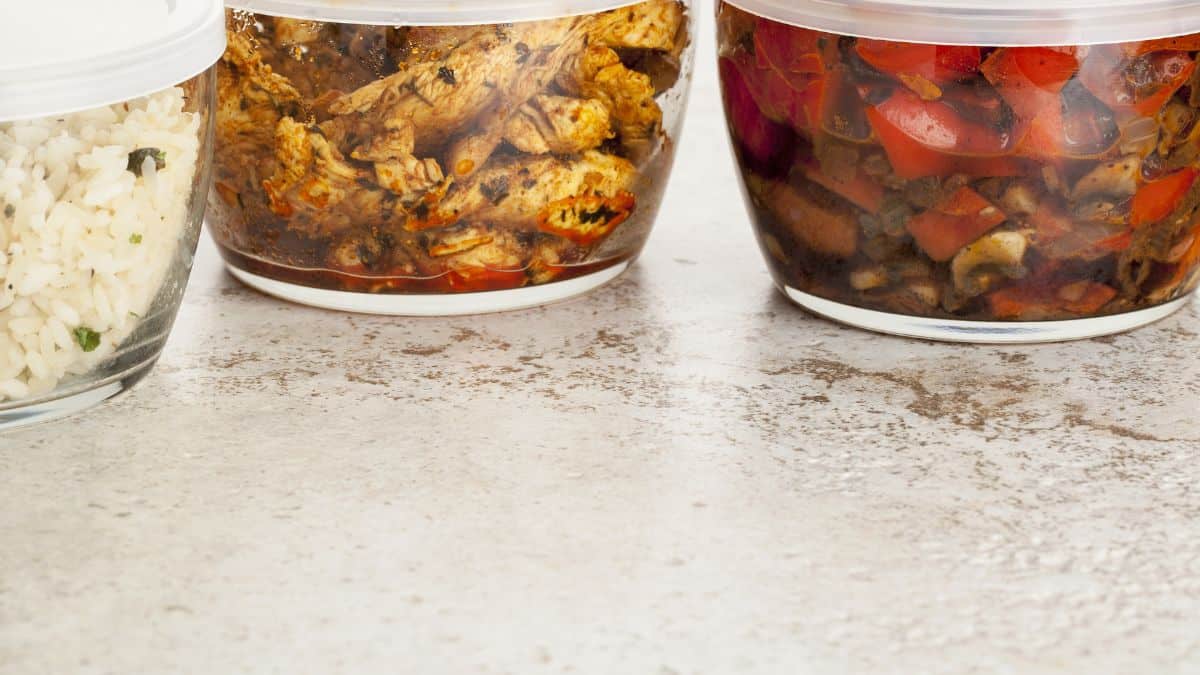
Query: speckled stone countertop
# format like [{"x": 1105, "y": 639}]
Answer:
[{"x": 680, "y": 474}]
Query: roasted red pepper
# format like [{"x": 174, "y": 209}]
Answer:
[
  {"x": 761, "y": 139},
  {"x": 1158, "y": 199},
  {"x": 936, "y": 63},
  {"x": 790, "y": 50},
  {"x": 953, "y": 223},
  {"x": 788, "y": 80},
  {"x": 1183, "y": 43},
  {"x": 1033, "y": 300},
  {"x": 1031, "y": 80},
  {"x": 1061, "y": 237},
  {"x": 931, "y": 138},
  {"x": 860, "y": 189},
  {"x": 1138, "y": 86}
]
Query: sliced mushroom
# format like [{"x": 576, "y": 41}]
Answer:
[
  {"x": 911, "y": 268},
  {"x": 1101, "y": 209},
  {"x": 1019, "y": 198},
  {"x": 866, "y": 278},
  {"x": 925, "y": 290},
  {"x": 1180, "y": 249},
  {"x": 1052, "y": 180},
  {"x": 991, "y": 257},
  {"x": 1117, "y": 178},
  {"x": 1139, "y": 137}
]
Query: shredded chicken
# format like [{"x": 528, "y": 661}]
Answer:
[
  {"x": 462, "y": 153},
  {"x": 559, "y": 124},
  {"x": 648, "y": 25},
  {"x": 629, "y": 96},
  {"x": 439, "y": 96},
  {"x": 473, "y": 150},
  {"x": 516, "y": 190}
]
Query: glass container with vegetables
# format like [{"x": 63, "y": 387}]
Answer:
[
  {"x": 444, "y": 158},
  {"x": 105, "y": 134},
  {"x": 969, "y": 169}
]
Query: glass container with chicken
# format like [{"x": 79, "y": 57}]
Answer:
[
  {"x": 964, "y": 192},
  {"x": 419, "y": 169}
]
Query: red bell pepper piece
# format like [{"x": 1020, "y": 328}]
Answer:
[
  {"x": 789, "y": 49},
  {"x": 1085, "y": 297},
  {"x": 1059, "y": 237},
  {"x": 953, "y": 223},
  {"x": 1033, "y": 300},
  {"x": 1014, "y": 302},
  {"x": 760, "y": 138},
  {"x": 1183, "y": 43},
  {"x": 788, "y": 81},
  {"x": 1137, "y": 87},
  {"x": 938, "y": 126},
  {"x": 862, "y": 190},
  {"x": 937, "y": 63},
  {"x": 1020, "y": 68},
  {"x": 930, "y": 138},
  {"x": 1031, "y": 79},
  {"x": 1158, "y": 199},
  {"x": 1049, "y": 222}
]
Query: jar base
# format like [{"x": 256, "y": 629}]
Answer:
[
  {"x": 444, "y": 304},
  {"x": 982, "y": 332},
  {"x": 72, "y": 401}
]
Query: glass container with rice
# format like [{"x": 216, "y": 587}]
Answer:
[{"x": 105, "y": 142}]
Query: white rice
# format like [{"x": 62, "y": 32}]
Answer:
[{"x": 85, "y": 244}]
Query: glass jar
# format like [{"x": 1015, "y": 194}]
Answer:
[
  {"x": 436, "y": 158},
  {"x": 970, "y": 170},
  {"x": 104, "y": 165}
]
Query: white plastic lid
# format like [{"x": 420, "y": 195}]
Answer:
[
  {"x": 426, "y": 12},
  {"x": 63, "y": 56},
  {"x": 1000, "y": 23}
]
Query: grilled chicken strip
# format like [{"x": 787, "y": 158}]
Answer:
[
  {"x": 523, "y": 191},
  {"x": 245, "y": 55},
  {"x": 312, "y": 177},
  {"x": 470, "y": 152},
  {"x": 249, "y": 96},
  {"x": 437, "y": 97},
  {"x": 559, "y": 124},
  {"x": 649, "y": 25},
  {"x": 472, "y": 250},
  {"x": 396, "y": 167}
]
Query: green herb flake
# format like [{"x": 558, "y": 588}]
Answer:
[
  {"x": 135, "y": 238},
  {"x": 447, "y": 75},
  {"x": 87, "y": 338},
  {"x": 137, "y": 159}
]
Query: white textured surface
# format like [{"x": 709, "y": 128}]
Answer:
[{"x": 678, "y": 474}]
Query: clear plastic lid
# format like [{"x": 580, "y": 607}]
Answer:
[
  {"x": 63, "y": 56},
  {"x": 426, "y": 12},
  {"x": 989, "y": 22}
]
